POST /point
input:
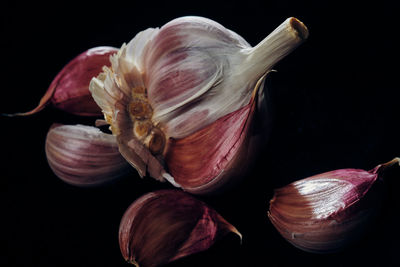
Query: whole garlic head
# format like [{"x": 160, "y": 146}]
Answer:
[{"x": 180, "y": 99}]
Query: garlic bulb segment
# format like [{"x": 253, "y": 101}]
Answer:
[
  {"x": 183, "y": 95},
  {"x": 217, "y": 154},
  {"x": 69, "y": 91},
  {"x": 166, "y": 225},
  {"x": 326, "y": 212},
  {"x": 84, "y": 156}
]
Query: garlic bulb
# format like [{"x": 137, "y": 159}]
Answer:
[
  {"x": 84, "y": 156},
  {"x": 181, "y": 99},
  {"x": 166, "y": 225},
  {"x": 69, "y": 91},
  {"x": 328, "y": 211}
]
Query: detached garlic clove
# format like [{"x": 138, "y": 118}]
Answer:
[
  {"x": 69, "y": 91},
  {"x": 83, "y": 155},
  {"x": 326, "y": 212},
  {"x": 190, "y": 88},
  {"x": 166, "y": 225}
]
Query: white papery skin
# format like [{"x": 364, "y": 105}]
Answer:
[
  {"x": 194, "y": 70},
  {"x": 201, "y": 74}
]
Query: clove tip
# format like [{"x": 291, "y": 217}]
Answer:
[{"x": 236, "y": 231}]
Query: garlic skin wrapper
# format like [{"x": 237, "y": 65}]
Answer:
[
  {"x": 69, "y": 91},
  {"x": 181, "y": 99},
  {"x": 163, "y": 226},
  {"x": 328, "y": 211},
  {"x": 84, "y": 156}
]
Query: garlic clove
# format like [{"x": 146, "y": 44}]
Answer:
[
  {"x": 83, "y": 155},
  {"x": 326, "y": 212},
  {"x": 188, "y": 79},
  {"x": 166, "y": 225},
  {"x": 69, "y": 91}
]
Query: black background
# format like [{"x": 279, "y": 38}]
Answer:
[{"x": 335, "y": 102}]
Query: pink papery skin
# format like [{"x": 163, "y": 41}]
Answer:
[
  {"x": 197, "y": 159},
  {"x": 166, "y": 225},
  {"x": 360, "y": 181},
  {"x": 325, "y": 212},
  {"x": 209, "y": 228},
  {"x": 69, "y": 91},
  {"x": 84, "y": 156}
]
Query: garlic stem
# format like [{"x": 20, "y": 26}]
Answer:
[{"x": 284, "y": 39}]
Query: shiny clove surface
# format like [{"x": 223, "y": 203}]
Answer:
[{"x": 328, "y": 211}]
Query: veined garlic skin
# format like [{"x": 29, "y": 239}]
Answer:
[
  {"x": 191, "y": 80},
  {"x": 163, "y": 226},
  {"x": 328, "y": 211},
  {"x": 69, "y": 91},
  {"x": 84, "y": 156}
]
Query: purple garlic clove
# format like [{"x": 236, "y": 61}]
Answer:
[
  {"x": 166, "y": 225},
  {"x": 69, "y": 91},
  {"x": 84, "y": 156},
  {"x": 326, "y": 212}
]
